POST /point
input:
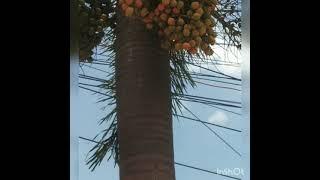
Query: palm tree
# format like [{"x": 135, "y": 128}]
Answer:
[{"x": 146, "y": 84}]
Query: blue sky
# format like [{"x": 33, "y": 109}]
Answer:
[{"x": 194, "y": 144}]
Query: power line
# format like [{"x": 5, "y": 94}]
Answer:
[
  {"x": 223, "y": 87},
  {"x": 91, "y": 78},
  {"x": 204, "y": 170},
  {"x": 203, "y": 102},
  {"x": 184, "y": 98},
  {"x": 231, "y": 77},
  {"x": 207, "y": 98},
  {"x": 180, "y": 164},
  {"x": 195, "y": 77},
  {"x": 95, "y": 91},
  {"x": 98, "y": 63},
  {"x": 224, "y": 109},
  {"x": 206, "y": 102},
  {"x": 213, "y": 131},
  {"x": 192, "y": 119},
  {"x": 95, "y": 68},
  {"x": 85, "y": 84},
  {"x": 209, "y": 75},
  {"x": 211, "y": 106}
]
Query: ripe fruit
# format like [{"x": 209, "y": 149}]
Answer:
[
  {"x": 195, "y": 5},
  {"x": 166, "y": 2},
  {"x": 164, "y": 17},
  {"x": 202, "y": 31},
  {"x": 187, "y": 26},
  {"x": 198, "y": 24},
  {"x": 138, "y": 3},
  {"x": 175, "y": 10},
  {"x": 186, "y": 32},
  {"x": 180, "y": 4},
  {"x": 171, "y": 21},
  {"x": 161, "y": 7},
  {"x": 192, "y": 43},
  {"x": 151, "y": 15},
  {"x": 198, "y": 40},
  {"x": 173, "y": 3},
  {"x": 180, "y": 22},
  {"x": 207, "y": 22},
  {"x": 149, "y": 26},
  {"x": 199, "y": 11},
  {"x": 215, "y": 2},
  {"x": 180, "y": 27},
  {"x": 144, "y": 12},
  {"x": 204, "y": 46},
  {"x": 195, "y": 33},
  {"x": 147, "y": 20},
  {"x": 193, "y": 50},
  {"x": 129, "y": 2},
  {"x": 129, "y": 11},
  {"x": 186, "y": 46},
  {"x": 196, "y": 16},
  {"x": 210, "y": 31},
  {"x": 124, "y": 7}
]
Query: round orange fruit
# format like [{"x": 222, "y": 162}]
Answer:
[
  {"x": 193, "y": 50},
  {"x": 186, "y": 32},
  {"x": 171, "y": 21},
  {"x": 149, "y": 26},
  {"x": 138, "y": 3},
  {"x": 175, "y": 10},
  {"x": 129, "y": 11},
  {"x": 164, "y": 17},
  {"x": 173, "y": 3},
  {"x": 124, "y": 7},
  {"x": 161, "y": 7},
  {"x": 166, "y": 2},
  {"x": 180, "y": 4},
  {"x": 186, "y": 46},
  {"x": 129, "y": 2},
  {"x": 195, "y": 5},
  {"x": 144, "y": 12},
  {"x": 192, "y": 43}
]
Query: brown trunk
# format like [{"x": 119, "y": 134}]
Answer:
[{"x": 144, "y": 105}]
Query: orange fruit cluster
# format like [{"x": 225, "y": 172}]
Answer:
[
  {"x": 93, "y": 19},
  {"x": 181, "y": 24}
]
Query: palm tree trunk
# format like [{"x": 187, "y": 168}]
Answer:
[{"x": 143, "y": 104}]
